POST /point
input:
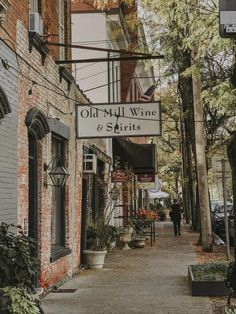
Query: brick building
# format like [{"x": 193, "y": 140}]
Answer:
[
  {"x": 37, "y": 133},
  {"x": 117, "y": 80},
  {"x": 38, "y": 101}
]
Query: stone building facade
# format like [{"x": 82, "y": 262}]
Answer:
[{"x": 8, "y": 136}]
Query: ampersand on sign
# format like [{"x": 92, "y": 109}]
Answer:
[{"x": 99, "y": 128}]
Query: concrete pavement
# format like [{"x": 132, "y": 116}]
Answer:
[{"x": 141, "y": 281}]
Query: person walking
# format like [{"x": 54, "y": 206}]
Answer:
[{"x": 175, "y": 215}]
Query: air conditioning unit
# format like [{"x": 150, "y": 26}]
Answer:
[
  {"x": 35, "y": 23},
  {"x": 90, "y": 163}
]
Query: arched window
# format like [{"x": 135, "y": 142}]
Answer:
[
  {"x": 4, "y": 104},
  {"x": 37, "y": 124},
  {"x": 38, "y": 127}
]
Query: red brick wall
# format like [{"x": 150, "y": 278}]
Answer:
[
  {"x": 88, "y": 6},
  {"x": 19, "y": 10},
  {"x": 127, "y": 71},
  {"x": 30, "y": 65}
]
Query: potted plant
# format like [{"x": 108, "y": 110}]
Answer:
[
  {"x": 100, "y": 236},
  {"x": 147, "y": 214},
  {"x": 18, "y": 270},
  {"x": 113, "y": 232}
]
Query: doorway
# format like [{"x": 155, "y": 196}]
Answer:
[
  {"x": 33, "y": 197},
  {"x": 83, "y": 217}
]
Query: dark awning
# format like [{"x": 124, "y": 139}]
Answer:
[{"x": 141, "y": 157}]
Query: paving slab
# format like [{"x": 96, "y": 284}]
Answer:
[{"x": 152, "y": 280}]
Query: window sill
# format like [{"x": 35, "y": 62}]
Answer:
[
  {"x": 58, "y": 252},
  {"x": 66, "y": 75},
  {"x": 36, "y": 41}
]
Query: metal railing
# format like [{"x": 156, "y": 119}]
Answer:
[{"x": 141, "y": 226}]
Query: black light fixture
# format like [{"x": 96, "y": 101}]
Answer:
[
  {"x": 30, "y": 91},
  {"x": 58, "y": 173}
]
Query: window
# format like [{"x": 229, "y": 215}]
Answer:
[
  {"x": 98, "y": 192},
  {"x": 4, "y": 6},
  {"x": 58, "y": 195},
  {"x": 33, "y": 6},
  {"x": 62, "y": 28},
  {"x": 58, "y": 217}
]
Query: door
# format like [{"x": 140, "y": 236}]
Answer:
[
  {"x": 83, "y": 217},
  {"x": 33, "y": 192},
  {"x": 33, "y": 195}
]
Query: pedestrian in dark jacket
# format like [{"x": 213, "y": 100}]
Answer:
[{"x": 175, "y": 215}]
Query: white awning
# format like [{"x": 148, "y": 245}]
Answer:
[{"x": 157, "y": 194}]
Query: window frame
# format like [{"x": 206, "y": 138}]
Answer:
[
  {"x": 61, "y": 28},
  {"x": 59, "y": 249}
]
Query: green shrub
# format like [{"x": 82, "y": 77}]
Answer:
[
  {"x": 18, "y": 270},
  {"x": 210, "y": 271},
  {"x": 17, "y": 266},
  {"x": 21, "y": 301},
  {"x": 101, "y": 234}
]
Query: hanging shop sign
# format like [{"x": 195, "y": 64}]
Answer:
[
  {"x": 118, "y": 119},
  {"x": 145, "y": 178},
  {"x": 119, "y": 176},
  {"x": 146, "y": 185}
]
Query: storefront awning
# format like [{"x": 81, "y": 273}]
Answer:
[{"x": 140, "y": 157}]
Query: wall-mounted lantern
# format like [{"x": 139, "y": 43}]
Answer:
[{"x": 57, "y": 173}]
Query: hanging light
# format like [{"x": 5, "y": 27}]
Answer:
[{"x": 58, "y": 174}]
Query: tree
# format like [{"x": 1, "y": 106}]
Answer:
[
  {"x": 178, "y": 26},
  {"x": 169, "y": 144},
  {"x": 174, "y": 28},
  {"x": 231, "y": 149},
  {"x": 206, "y": 230}
]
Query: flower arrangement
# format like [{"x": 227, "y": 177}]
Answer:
[{"x": 147, "y": 214}]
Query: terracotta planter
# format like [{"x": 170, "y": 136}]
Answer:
[
  {"x": 206, "y": 287},
  {"x": 94, "y": 259}
]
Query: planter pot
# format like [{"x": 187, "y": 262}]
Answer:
[
  {"x": 206, "y": 287},
  {"x": 94, "y": 259},
  {"x": 139, "y": 242},
  {"x": 125, "y": 237}
]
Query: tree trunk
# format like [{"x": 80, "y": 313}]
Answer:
[
  {"x": 206, "y": 230},
  {"x": 188, "y": 137},
  {"x": 231, "y": 150},
  {"x": 185, "y": 185}
]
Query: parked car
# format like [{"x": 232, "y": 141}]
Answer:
[
  {"x": 213, "y": 203},
  {"x": 218, "y": 215}
]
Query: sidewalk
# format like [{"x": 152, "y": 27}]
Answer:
[{"x": 141, "y": 281}]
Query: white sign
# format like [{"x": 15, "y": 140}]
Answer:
[
  {"x": 146, "y": 185},
  {"x": 118, "y": 119}
]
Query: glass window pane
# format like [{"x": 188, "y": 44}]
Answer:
[
  {"x": 58, "y": 194},
  {"x": 33, "y": 5}
]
